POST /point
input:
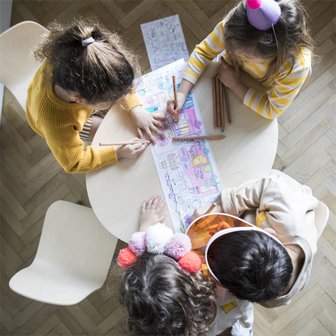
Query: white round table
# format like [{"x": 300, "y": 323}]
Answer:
[{"x": 116, "y": 192}]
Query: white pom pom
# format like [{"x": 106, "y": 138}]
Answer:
[{"x": 157, "y": 237}]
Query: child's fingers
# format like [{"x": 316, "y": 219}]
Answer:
[
  {"x": 162, "y": 217},
  {"x": 155, "y": 130},
  {"x": 149, "y": 135},
  {"x": 155, "y": 202},
  {"x": 161, "y": 204},
  {"x": 147, "y": 203},
  {"x": 158, "y": 124},
  {"x": 171, "y": 107},
  {"x": 159, "y": 117},
  {"x": 140, "y": 134}
]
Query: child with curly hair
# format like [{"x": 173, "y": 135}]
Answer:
[{"x": 163, "y": 287}]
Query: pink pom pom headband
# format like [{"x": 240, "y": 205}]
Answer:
[{"x": 159, "y": 239}]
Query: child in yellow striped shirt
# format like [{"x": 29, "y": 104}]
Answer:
[{"x": 277, "y": 54}]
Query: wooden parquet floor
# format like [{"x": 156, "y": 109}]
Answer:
[{"x": 31, "y": 179}]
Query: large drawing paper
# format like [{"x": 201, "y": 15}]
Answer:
[
  {"x": 187, "y": 169},
  {"x": 164, "y": 41}
]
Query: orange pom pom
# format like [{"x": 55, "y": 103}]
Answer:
[
  {"x": 126, "y": 257},
  {"x": 191, "y": 262}
]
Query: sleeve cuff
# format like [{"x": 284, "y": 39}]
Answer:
[
  {"x": 190, "y": 78},
  {"x": 108, "y": 155},
  {"x": 131, "y": 100}
]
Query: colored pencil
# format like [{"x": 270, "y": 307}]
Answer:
[
  {"x": 121, "y": 143},
  {"x": 200, "y": 137},
  {"x": 175, "y": 98},
  {"x": 227, "y": 104},
  {"x": 214, "y": 107},
  {"x": 212, "y": 206}
]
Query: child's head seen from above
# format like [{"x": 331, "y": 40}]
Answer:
[
  {"x": 88, "y": 60},
  {"x": 279, "y": 43},
  {"x": 163, "y": 299},
  {"x": 251, "y": 264},
  {"x": 162, "y": 287}
]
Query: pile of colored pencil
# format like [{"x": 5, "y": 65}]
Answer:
[{"x": 221, "y": 104}]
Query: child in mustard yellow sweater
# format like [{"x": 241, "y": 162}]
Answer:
[{"x": 85, "y": 68}]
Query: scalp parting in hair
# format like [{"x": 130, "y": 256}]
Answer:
[
  {"x": 101, "y": 71},
  {"x": 289, "y": 36},
  {"x": 252, "y": 265},
  {"x": 163, "y": 299}
]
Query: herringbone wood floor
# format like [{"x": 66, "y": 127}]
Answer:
[{"x": 31, "y": 179}]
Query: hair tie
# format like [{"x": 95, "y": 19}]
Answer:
[
  {"x": 159, "y": 239},
  {"x": 87, "y": 41},
  {"x": 263, "y": 14}
]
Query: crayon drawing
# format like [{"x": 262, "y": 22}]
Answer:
[{"x": 187, "y": 169}]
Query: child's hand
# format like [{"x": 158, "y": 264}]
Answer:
[
  {"x": 149, "y": 123},
  {"x": 228, "y": 76},
  {"x": 214, "y": 208},
  {"x": 132, "y": 151},
  {"x": 175, "y": 109}
]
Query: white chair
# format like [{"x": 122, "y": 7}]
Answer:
[
  {"x": 72, "y": 260},
  {"x": 321, "y": 218},
  {"x": 17, "y": 63}
]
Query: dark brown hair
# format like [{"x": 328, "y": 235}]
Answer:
[
  {"x": 289, "y": 36},
  {"x": 102, "y": 71},
  {"x": 250, "y": 264},
  {"x": 163, "y": 299}
]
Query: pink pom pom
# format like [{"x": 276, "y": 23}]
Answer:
[
  {"x": 178, "y": 245},
  {"x": 137, "y": 243},
  {"x": 253, "y": 4},
  {"x": 191, "y": 262},
  {"x": 126, "y": 257}
]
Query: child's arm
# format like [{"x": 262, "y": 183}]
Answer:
[
  {"x": 204, "y": 53},
  {"x": 274, "y": 102},
  {"x": 148, "y": 123},
  {"x": 201, "y": 56},
  {"x": 236, "y": 201}
]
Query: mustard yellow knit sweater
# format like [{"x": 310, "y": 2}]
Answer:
[{"x": 60, "y": 122}]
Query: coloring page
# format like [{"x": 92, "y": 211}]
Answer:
[
  {"x": 164, "y": 41},
  {"x": 187, "y": 169}
]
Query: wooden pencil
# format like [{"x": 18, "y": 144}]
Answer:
[
  {"x": 121, "y": 143},
  {"x": 214, "y": 91},
  {"x": 218, "y": 102},
  {"x": 175, "y": 97},
  {"x": 212, "y": 206},
  {"x": 200, "y": 137},
  {"x": 227, "y": 104},
  {"x": 222, "y": 107}
]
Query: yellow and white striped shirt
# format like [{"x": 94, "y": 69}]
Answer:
[{"x": 279, "y": 93}]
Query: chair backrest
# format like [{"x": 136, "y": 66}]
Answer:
[
  {"x": 72, "y": 260},
  {"x": 18, "y": 65},
  {"x": 321, "y": 218}
]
